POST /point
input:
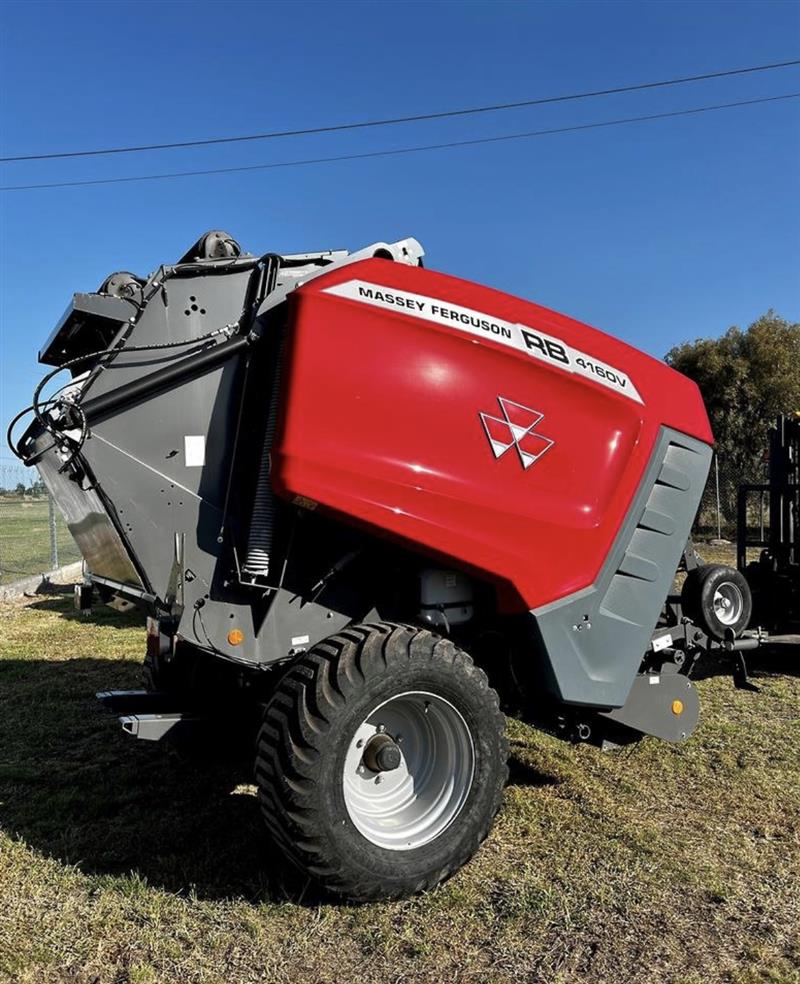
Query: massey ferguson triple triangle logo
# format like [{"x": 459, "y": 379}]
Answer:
[{"x": 515, "y": 429}]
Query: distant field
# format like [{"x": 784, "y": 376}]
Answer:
[
  {"x": 661, "y": 864},
  {"x": 25, "y": 538}
]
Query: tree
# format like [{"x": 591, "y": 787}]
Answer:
[
  {"x": 747, "y": 378},
  {"x": 20, "y": 489}
]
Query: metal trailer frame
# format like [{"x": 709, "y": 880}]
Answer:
[{"x": 775, "y": 577}]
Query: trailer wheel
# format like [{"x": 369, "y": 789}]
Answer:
[
  {"x": 717, "y": 598},
  {"x": 381, "y": 761}
]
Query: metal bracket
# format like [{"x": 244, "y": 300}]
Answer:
[
  {"x": 147, "y": 715},
  {"x": 154, "y": 727}
]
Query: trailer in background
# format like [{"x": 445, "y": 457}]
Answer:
[{"x": 775, "y": 577}]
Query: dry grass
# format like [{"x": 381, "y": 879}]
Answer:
[{"x": 658, "y": 864}]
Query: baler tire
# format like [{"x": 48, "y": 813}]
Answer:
[
  {"x": 702, "y": 592},
  {"x": 305, "y": 771}
]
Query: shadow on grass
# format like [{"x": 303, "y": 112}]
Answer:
[
  {"x": 75, "y": 788},
  {"x": 99, "y": 615}
]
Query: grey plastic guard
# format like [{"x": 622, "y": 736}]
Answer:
[{"x": 593, "y": 641}]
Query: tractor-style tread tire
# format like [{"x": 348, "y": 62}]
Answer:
[{"x": 308, "y": 725}]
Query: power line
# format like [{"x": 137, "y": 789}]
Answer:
[
  {"x": 406, "y": 150},
  {"x": 406, "y": 119}
]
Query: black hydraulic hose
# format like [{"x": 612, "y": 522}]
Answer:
[
  {"x": 268, "y": 264},
  {"x": 37, "y": 406},
  {"x": 195, "y": 364},
  {"x": 139, "y": 389}
]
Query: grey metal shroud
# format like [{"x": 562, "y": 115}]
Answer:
[
  {"x": 139, "y": 446},
  {"x": 593, "y": 641}
]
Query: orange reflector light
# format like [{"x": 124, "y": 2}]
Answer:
[
  {"x": 677, "y": 705},
  {"x": 236, "y": 638}
]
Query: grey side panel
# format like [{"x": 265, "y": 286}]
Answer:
[
  {"x": 650, "y": 707},
  {"x": 594, "y": 640},
  {"x": 94, "y": 533}
]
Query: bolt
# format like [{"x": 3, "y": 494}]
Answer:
[
  {"x": 427, "y": 706},
  {"x": 359, "y": 743},
  {"x": 378, "y": 779},
  {"x": 398, "y": 738},
  {"x": 380, "y": 729}
]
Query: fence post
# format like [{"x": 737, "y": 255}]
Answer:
[
  {"x": 53, "y": 534},
  {"x": 719, "y": 514}
]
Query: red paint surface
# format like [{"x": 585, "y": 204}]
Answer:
[{"x": 381, "y": 424}]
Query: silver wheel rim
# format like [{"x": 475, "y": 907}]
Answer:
[
  {"x": 728, "y": 603},
  {"x": 409, "y": 806}
]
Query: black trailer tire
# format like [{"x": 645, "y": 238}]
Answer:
[
  {"x": 717, "y": 599},
  {"x": 311, "y": 786}
]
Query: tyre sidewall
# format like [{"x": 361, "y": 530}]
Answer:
[
  {"x": 405, "y": 868},
  {"x": 711, "y": 580}
]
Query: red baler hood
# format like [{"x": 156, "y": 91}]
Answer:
[{"x": 476, "y": 425}]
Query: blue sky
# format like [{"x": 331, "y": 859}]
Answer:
[{"x": 656, "y": 232}]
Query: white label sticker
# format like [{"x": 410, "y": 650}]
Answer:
[
  {"x": 299, "y": 640},
  {"x": 663, "y": 642},
  {"x": 194, "y": 449},
  {"x": 533, "y": 342}
]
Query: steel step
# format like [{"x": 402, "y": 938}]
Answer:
[
  {"x": 148, "y": 715},
  {"x": 154, "y": 727}
]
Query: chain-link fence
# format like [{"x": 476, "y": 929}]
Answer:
[
  {"x": 33, "y": 535},
  {"x": 718, "y": 517}
]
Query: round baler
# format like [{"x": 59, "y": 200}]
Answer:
[{"x": 357, "y": 498}]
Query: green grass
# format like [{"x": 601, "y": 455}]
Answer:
[
  {"x": 118, "y": 864},
  {"x": 25, "y": 538}
]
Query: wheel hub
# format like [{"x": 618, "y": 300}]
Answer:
[
  {"x": 728, "y": 603},
  {"x": 408, "y": 771},
  {"x": 382, "y": 754}
]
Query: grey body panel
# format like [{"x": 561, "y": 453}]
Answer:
[
  {"x": 592, "y": 642},
  {"x": 151, "y": 529},
  {"x": 651, "y": 709},
  {"x": 107, "y": 313},
  {"x": 88, "y": 521}
]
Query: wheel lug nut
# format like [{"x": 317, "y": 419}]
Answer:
[{"x": 378, "y": 779}]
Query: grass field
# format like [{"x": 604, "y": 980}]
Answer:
[
  {"x": 25, "y": 538},
  {"x": 118, "y": 864}
]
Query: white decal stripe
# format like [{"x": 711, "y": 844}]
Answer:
[{"x": 531, "y": 341}]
